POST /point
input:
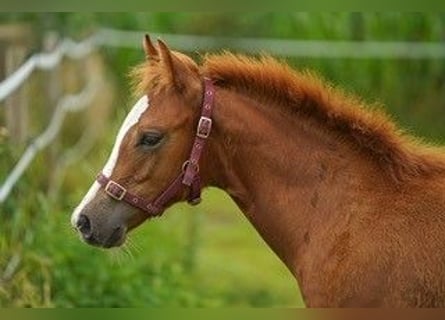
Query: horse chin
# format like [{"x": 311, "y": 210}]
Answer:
[{"x": 115, "y": 239}]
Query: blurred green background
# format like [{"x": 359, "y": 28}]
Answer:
[{"x": 203, "y": 256}]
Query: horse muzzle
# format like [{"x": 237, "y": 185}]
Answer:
[{"x": 110, "y": 237}]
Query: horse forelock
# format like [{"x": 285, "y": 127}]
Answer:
[{"x": 153, "y": 76}]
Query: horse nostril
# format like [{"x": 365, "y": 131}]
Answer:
[{"x": 84, "y": 225}]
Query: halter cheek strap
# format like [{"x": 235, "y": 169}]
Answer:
[{"x": 189, "y": 177}]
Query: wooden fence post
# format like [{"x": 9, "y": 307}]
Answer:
[
  {"x": 15, "y": 41},
  {"x": 53, "y": 90}
]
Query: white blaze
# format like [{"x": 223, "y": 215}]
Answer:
[{"x": 131, "y": 119}]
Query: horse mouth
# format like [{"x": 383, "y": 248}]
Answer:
[{"x": 115, "y": 239}]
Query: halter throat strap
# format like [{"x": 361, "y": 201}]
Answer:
[{"x": 189, "y": 176}]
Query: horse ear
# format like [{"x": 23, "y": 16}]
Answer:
[
  {"x": 177, "y": 71},
  {"x": 167, "y": 58},
  {"x": 150, "y": 51}
]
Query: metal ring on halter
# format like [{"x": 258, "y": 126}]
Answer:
[{"x": 187, "y": 163}]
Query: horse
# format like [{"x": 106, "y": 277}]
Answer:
[{"x": 351, "y": 204}]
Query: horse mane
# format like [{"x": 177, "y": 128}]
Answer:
[{"x": 267, "y": 79}]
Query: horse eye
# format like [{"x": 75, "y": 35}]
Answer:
[{"x": 150, "y": 139}]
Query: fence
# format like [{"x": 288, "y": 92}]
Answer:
[
  {"x": 66, "y": 104},
  {"x": 132, "y": 39}
]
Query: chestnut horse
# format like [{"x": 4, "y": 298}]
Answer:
[{"x": 351, "y": 205}]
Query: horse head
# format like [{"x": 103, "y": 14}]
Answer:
[{"x": 151, "y": 165}]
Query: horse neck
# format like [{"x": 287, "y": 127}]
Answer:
[{"x": 285, "y": 172}]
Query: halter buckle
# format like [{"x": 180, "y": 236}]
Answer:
[
  {"x": 204, "y": 127},
  {"x": 115, "y": 190},
  {"x": 195, "y": 201}
]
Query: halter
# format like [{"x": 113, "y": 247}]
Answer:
[{"x": 189, "y": 175}]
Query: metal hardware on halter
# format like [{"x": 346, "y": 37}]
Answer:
[
  {"x": 195, "y": 201},
  {"x": 204, "y": 127},
  {"x": 115, "y": 190},
  {"x": 188, "y": 163}
]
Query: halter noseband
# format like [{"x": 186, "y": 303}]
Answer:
[{"x": 189, "y": 176}]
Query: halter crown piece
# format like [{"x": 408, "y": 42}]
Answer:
[{"x": 189, "y": 176}]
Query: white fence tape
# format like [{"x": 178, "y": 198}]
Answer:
[
  {"x": 283, "y": 47},
  {"x": 68, "y": 103},
  {"x": 46, "y": 61}
]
